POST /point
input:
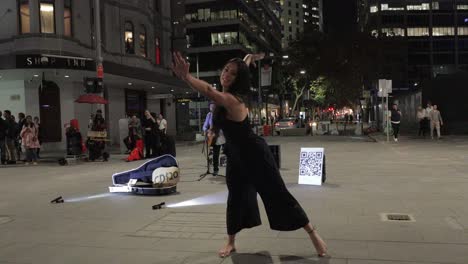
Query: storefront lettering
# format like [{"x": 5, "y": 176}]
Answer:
[
  {"x": 59, "y": 62},
  {"x": 76, "y": 63},
  {"x": 40, "y": 61}
]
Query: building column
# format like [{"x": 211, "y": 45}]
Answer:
[
  {"x": 34, "y": 11},
  {"x": 58, "y": 10}
]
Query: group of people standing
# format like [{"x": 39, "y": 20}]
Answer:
[
  {"x": 151, "y": 129},
  {"x": 429, "y": 119},
  {"x": 16, "y": 136}
]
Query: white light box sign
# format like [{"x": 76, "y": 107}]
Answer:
[{"x": 311, "y": 162}]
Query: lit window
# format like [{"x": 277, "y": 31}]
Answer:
[
  {"x": 304, "y": 6},
  {"x": 47, "y": 17},
  {"x": 129, "y": 41},
  {"x": 305, "y": 20},
  {"x": 423, "y": 6},
  {"x": 462, "y": 7},
  {"x": 435, "y": 5},
  {"x": 386, "y": 7},
  {"x": 143, "y": 50},
  {"x": 25, "y": 17},
  {"x": 418, "y": 32},
  {"x": 374, "y": 9},
  {"x": 443, "y": 31},
  {"x": 393, "y": 32},
  {"x": 67, "y": 18},
  {"x": 462, "y": 31},
  {"x": 306, "y": 13}
]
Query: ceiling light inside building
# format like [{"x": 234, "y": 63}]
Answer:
[
  {"x": 47, "y": 7},
  {"x": 172, "y": 90},
  {"x": 36, "y": 75},
  {"x": 130, "y": 83},
  {"x": 67, "y": 76},
  {"x": 152, "y": 87}
]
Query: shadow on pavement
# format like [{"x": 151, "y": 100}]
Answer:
[
  {"x": 302, "y": 260},
  {"x": 264, "y": 257}
]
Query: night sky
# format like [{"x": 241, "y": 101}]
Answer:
[{"x": 339, "y": 15}]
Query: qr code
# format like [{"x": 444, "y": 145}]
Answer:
[{"x": 311, "y": 164}]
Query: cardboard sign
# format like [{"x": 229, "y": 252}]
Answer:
[{"x": 311, "y": 166}]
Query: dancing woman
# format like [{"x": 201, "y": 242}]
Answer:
[{"x": 251, "y": 167}]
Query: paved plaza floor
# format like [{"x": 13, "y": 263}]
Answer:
[{"x": 426, "y": 179}]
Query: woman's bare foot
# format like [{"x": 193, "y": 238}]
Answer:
[
  {"x": 319, "y": 244},
  {"x": 227, "y": 250}
]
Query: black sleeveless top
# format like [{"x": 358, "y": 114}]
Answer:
[{"x": 234, "y": 131}]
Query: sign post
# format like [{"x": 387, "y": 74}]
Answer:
[{"x": 385, "y": 87}]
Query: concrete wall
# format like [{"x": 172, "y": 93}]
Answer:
[
  {"x": 9, "y": 22},
  {"x": 116, "y": 112},
  {"x": 12, "y": 96}
]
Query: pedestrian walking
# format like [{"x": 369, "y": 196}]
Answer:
[
  {"x": 40, "y": 135},
  {"x": 29, "y": 138},
  {"x": 436, "y": 122},
  {"x": 395, "y": 118},
  {"x": 251, "y": 167},
  {"x": 150, "y": 126},
  {"x": 10, "y": 137},
  {"x": 3, "y": 131},
  {"x": 421, "y": 116},
  {"x": 162, "y": 124}
]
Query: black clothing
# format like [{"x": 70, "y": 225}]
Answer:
[
  {"x": 422, "y": 127},
  {"x": 396, "y": 129},
  {"x": 152, "y": 140},
  {"x": 251, "y": 168},
  {"x": 216, "y": 150},
  {"x": 3, "y": 129},
  {"x": 395, "y": 117}
]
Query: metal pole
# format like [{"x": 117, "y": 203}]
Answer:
[
  {"x": 97, "y": 21},
  {"x": 260, "y": 92},
  {"x": 198, "y": 102},
  {"x": 388, "y": 123}
]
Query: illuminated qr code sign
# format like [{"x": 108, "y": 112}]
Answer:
[{"x": 311, "y": 166}]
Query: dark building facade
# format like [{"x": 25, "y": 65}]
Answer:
[
  {"x": 219, "y": 30},
  {"x": 47, "y": 47},
  {"x": 299, "y": 15},
  {"x": 435, "y": 34}
]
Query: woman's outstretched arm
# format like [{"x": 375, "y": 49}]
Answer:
[{"x": 181, "y": 68}]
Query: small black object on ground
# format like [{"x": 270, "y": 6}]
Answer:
[
  {"x": 58, "y": 200},
  {"x": 158, "y": 206}
]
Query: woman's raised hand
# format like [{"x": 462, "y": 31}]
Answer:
[
  {"x": 251, "y": 58},
  {"x": 180, "y": 66}
]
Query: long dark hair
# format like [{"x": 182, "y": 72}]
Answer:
[
  {"x": 240, "y": 88},
  {"x": 241, "y": 85}
]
